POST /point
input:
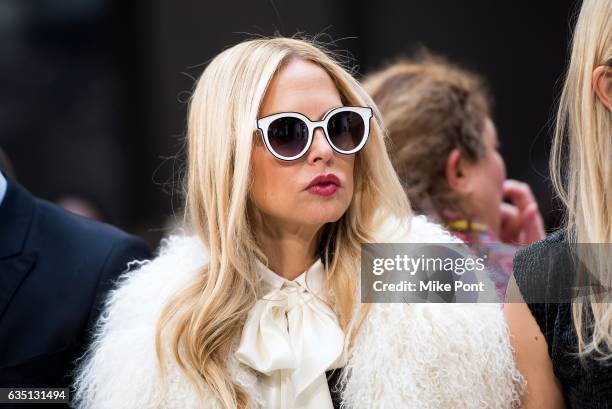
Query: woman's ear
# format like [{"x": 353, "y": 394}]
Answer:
[
  {"x": 602, "y": 84},
  {"x": 457, "y": 172}
]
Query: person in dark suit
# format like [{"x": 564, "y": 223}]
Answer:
[{"x": 55, "y": 271}]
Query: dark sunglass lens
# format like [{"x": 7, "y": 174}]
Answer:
[
  {"x": 288, "y": 136},
  {"x": 346, "y": 130}
]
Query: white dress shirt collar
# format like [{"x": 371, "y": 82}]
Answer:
[{"x": 312, "y": 279}]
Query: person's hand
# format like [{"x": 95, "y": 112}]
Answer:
[{"x": 521, "y": 221}]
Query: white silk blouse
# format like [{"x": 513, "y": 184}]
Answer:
[{"x": 291, "y": 337}]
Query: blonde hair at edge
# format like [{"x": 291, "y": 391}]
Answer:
[
  {"x": 204, "y": 319},
  {"x": 583, "y": 137}
]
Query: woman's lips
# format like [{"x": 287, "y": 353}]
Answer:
[
  {"x": 324, "y": 185},
  {"x": 323, "y": 189}
]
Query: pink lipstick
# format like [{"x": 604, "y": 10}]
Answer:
[{"x": 324, "y": 185}]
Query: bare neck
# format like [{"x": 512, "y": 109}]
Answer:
[{"x": 291, "y": 249}]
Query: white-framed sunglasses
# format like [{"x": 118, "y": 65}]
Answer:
[{"x": 288, "y": 135}]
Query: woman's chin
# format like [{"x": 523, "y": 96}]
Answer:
[{"x": 320, "y": 216}]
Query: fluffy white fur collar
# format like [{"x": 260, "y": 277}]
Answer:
[{"x": 405, "y": 356}]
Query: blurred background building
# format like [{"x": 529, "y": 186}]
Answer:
[{"x": 93, "y": 93}]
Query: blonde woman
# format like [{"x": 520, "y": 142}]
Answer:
[
  {"x": 565, "y": 349},
  {"x": 288, "y": 175}
]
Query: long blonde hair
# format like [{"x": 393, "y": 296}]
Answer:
[
  {"x": 581, "y": 167},
  {"x": 203, "y": 320}
]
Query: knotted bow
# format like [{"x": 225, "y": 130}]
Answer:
[{"x": 291, "y": 329}]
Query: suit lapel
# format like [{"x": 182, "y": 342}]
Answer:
[
  {"x": 13, "y": 270},
  {"x": 16, "y": 214}
]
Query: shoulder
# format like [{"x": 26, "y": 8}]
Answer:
[
  {"x": 66, "y": 243},
  {"x": 533, "y": 253},
  {"x": 120, "y": 365},
  {"x": 87, "y": 245},
  {"x": 543, "y": 270},
  {"x": 74, "y": 229}
]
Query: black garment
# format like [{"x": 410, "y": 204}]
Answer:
[
  {"x": 335, "y": 390},
  {"x": 586, "y": 384},
  {"x": 55, "y": 270},
  {"x": 333, "y": 375}
]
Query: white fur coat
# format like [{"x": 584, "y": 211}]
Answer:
[{"x": 405, "y": 355}]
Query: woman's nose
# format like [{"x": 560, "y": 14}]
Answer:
[{"x": 320, "y": 148}]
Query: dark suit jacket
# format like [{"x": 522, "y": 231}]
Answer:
[{"x": 55, "y": 270}]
